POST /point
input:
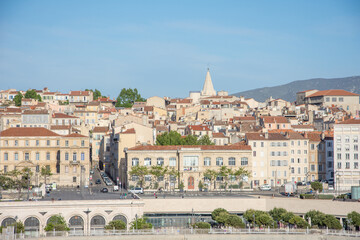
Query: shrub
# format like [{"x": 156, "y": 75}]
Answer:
[
  {"x": 57, "y": 223},
  {"x": 140, "y": 223},
  {"x": 317, "y": 186},
  {"x": 354, "y": 218},
  {"x": 202, "y": 225},
  {"x": 116, "y": 224},
  {"x": 234, "y": 221},
  {"x": 234, "y": 186},
  {"x": 216, "y": 213},
  {"x": 326, "y": 196},
  {"x": 307, "y": 196}
]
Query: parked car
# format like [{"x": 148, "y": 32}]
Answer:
[
  {"x": 104, "y": 190},
  {"x": 98, "y": 181},
  {"x": 108, "y": 183},
  {"x": 137, "y": 190},
  {"x": 265, "y": 187},
  {"x": 331, "y": 187}
]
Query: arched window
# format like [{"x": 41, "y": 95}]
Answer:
[
  {"x": 32, "y": 224},
  {"x": 135, "y": 162},
  {"x": 244, "y": 161},
  {"x": 76, "y": 222},
  {"x": 219, "y": 161},
  {"x": 7, "y": 222},
  {"x": 231, "y": 161},
  {"x": 120, "y": 217},
  {"x": 97, "y": 222},
  {"x": 147, "y": 162}
]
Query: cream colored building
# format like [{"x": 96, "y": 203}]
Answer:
[
  {"x": 190, "y": 161},
  {"x": 66, "y": 156},
  {"x": 156, "y": 102},
  {"x": 346, "y": 154}
]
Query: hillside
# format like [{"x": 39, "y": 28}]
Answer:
[{"x": 288, "y": 91}]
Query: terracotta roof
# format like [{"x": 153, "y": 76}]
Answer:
[
  {"x": 18, "y": 110},
  {"x": 219, "y": 135},
  {"x": 79, "y": 93},
  {"x": 129, "y": 131},
  {"x": 73, "y": 135},
  {"x": 148, "y": 108},
  {"x": 101, "y": 129},
  {"x": 202, "y": 147},
  {"x": 303, "y": 126},
  {"x": 261, "y": 136},
  {"x": 199, "y": 128},
  {"x": 350, "y": 121},
  {"x": 60, "y": 127},
  {"x": 244, "y": 118},
  {"x": 333, "y": 92},
  {"x": 94, "y": 103},
  {"x": 307, "y": 91},
  {"x": 274, "y": 119},
  {"x": 313, "y": 136},
  {"x": 177, "y": 100},
  {"x": 62, "y": 115},
  {"x": 28, "y": 132},
  {"x": 39, "y": 111}
]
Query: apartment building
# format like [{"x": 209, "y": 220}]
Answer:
[
  {"x": 36, "y": 118},
  {"x": 317, "y": 157},
  {"x": 98, "y": 134},
  {"x": 346, "y": 154},
  {"x": 190, "y": 161},
  {"x": 329, "y": 155},
  {"x": 66, "y": 156}
]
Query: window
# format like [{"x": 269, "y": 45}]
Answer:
[
  {"x": 66, "y": 169},
  {"x": 27, "y": 156},
  {"x": 244, "y": 161},
  {"x": 329, "y": 154},
  {"x": 74, "y": 169},
  {"x": 160, "y": 161},
  {"x": 284, "y": 153},
  {"x": 262, "y": 144},
  {"x": 5, "y": 169},
  {"x": 6, "y": 143},
  {"x": 298, "y": 160},
  {"x": 172, "y": 162},
  {"x": 312, "y": 146},
  {"x": 207, "y": 161},
  {"x": 338, "y": 139},
  {"x": 57, "y": 142},
  {"x": 299, "y": 143},
  {"x": 299, "y": 170},
  {"x": 66, "y": 156},
  {"x": 147, "y": 162},
  {"x": 356, "y": 148},
  {"x": 74, "y": 179},
  {"x": 320, "y": 167},
  {"x": 355, "y": 139},
  {"x": 347, "y": 156},
  {"x": 334, "y": 99},
  {"x": 292, "y": 143},
  {"x": 339, "y": 165},
  {"x": 312, "y": 167},
  {"x": 66, "y": 143},
  {"x": 272, "y": 153},
  {"x": 37, "y": 168},
  {"x": 82, "y": 156},
  {"x": 231, "y": 161},
  {"x": 219, "y": 161},
  {"x": 356, "y": 165},
  {"x": 83, "y": 143},
  {"x": 6, "y": 156},
  {"x": 74, "y": 156},
  {"x": 254, "y": 144},
  {"x": 135, "y": 162},
  {"x": 26, "y": 142},
  {"x": 327, "y": 99},
  {"x": 16, "y": 156},
  {"x": 284, "y": 144},
  {"x": 47, "y": 167},
  {"x": 305, "y": 170},
  {"x": 148, "y": 178},
  {"x": 48, "y": 142},
  {"x": 292, "y": 160},
  {"x": 347, "y": 147},
  {"x": 292, "y": 170},
  {"x": 305, "y": 143},
  {"x": 16, "y": 143},
  {"x": 37, "y": 155},
  {"x": 74, "y": 142},
  {"x": 347, "y": 165},
  {"x": 298, "y": 151},
  {"x": 347, "y": 139},
  {"x": 254, "y": 153},
  {"x": 47, "y": 156},
  {"x": 338, "y": 147},
  {"x": 305, "y": 160},
  {"x": 305, "y": 151},
  {"x": 341, "y": 99},
  {"x": 339, "y": 156},
  {"x": 356, "y": 156},
  {"x": 37, "y": 142},
  {"x": 293, "y": 151}
]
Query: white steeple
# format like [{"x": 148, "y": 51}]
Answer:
[{"x": 208, "y": 89}]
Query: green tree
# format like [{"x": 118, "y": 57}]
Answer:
[
  {"x": 158, "y": 172},
  {"x": 316, "y": 217},
  {"x": 205, "y": 140},
  {"x": 45, "y": 172},
  {"x": 332, "y": 222},
  {"x": 202, "y": 225},
  {"x": 32, "y": 94},
  {"x": 240, "y": 173},
  {"x": 354, "y": 218},
  {"x": 170, "y": 138},
  {"x": 285, "y": 217},
  {"x": 276, "y": 213},
  {"x": 116, "y": 224},
  {"x": 140, "y": 223},
  {"x": 190, "y": 140},
  {"x": 140, "y": 172},
  {"x": 56, "y": 223},
  {"x": 234, "y": 221},
  {"x": 127, "y": 97},
  {"x": 261, "y": 218},
  {"x": 217, "y": 212},
  {"x": 172, "y": 174},
  {"x": 225, "y": 172},
  {"x": 96, "y": 93},
  {"x": 317, "y": 186},
  {"x": 298, "y": 221},
  {"x": 211, "y": 175},
  {"x": 17, "y": 99}
]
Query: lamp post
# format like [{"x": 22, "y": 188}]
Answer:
[
  {"x": 87, "y": 221},
  {"x": 16, "y": 218},
  {"x": 136, "y": 217},
  {"x": 254, "y": 220}
]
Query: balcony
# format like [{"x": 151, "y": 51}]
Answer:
[
  {"x": 193, "y": 169},
  {"x": 76, "y": 162}
]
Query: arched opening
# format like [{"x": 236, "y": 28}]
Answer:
[
  {"x": 32, "y": 226},
  {"x": 191, "y": 183},
  {"x": 120, "y": 217},
  {"x": 7, "y": 222},
  {"x": 97, "y": 224},
  {"x": 76, "y": 225}
]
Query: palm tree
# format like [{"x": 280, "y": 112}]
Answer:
[
  {"x": 211, "y": 175},
  {"x": 172, "y": 172},
  {"x": 157, "y": 172},
  {"x": 240, "y": 173},
  {"x": 224, "y": 172},
  {"x": 45, "y": 172}
]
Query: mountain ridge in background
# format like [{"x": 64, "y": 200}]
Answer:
[{"x": 288, "y": 91}]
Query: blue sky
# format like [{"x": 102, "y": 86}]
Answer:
[{"x": 163, "y": 48}]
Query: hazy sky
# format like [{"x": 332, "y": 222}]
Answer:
[{"x": 163, "y": 48}]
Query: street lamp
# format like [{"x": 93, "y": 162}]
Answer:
[
  {"x": 16, "y": 218},
  {"x": 136, "y": 216},
  {"x": 87, "y": 220},
  {"x": 254, "y": 220}
]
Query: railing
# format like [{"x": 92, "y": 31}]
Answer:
[{"x": 181, "y": 231}]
